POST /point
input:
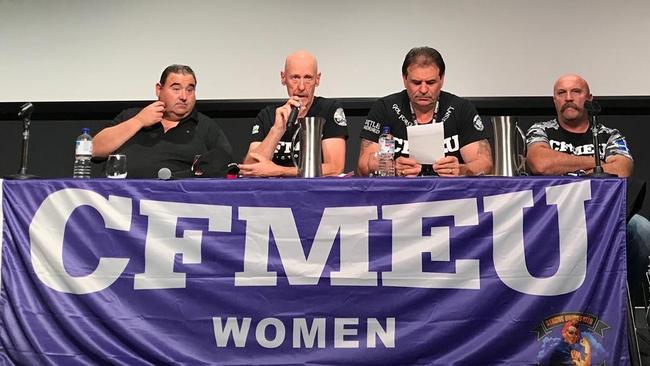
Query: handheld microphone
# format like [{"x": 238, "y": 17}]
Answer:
[
  {"x": 293, "y": 116},
  {"x": 592, "y": 107},
  {"x": 165, "y": 174},
  {"x": 25, "y": 111}
]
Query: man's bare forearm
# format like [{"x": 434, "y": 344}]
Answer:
[{"x": 112, "y": 138}]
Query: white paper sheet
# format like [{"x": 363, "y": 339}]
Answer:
[{"x": 426, "y": 142}]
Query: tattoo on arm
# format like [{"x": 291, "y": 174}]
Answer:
[
  {"x": 365, "y": 143},
  {"x": 484, "y": 148}
]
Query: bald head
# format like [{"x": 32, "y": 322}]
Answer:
[
  {"x": 569, "y": 95},
  {"x": 301, "y": 77},
  {"x": 302, "y": 60},
  {"x": 573, "y": 79}
]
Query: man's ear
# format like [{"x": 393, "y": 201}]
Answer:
[
  {"x": 158, "y": 87},
  {"x": 282, "y": 79},
  {"x": 317, "y": 79}
]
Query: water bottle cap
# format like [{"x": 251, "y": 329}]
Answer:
[
  {"x": 85, "y": 130},
  {"x": 386, "y": 129}
]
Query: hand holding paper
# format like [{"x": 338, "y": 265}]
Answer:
[{"x": 426, "y": 142}]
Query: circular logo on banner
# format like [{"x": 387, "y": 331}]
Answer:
[
  {"x": 478, "y": 124},
  {"x": 339, "y": 117}
]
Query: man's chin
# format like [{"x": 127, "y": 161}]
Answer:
[
  {"x": 424, "y": 103},
  {"x": 178, "y": 114},
  {"x": 304, "y": 100}
]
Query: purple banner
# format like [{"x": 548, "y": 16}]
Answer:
[{"x": 313, "y": 272}]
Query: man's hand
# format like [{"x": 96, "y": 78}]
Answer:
[
  {"x": 407, "y": 167},
  {"x": 261, "y": 167},
  {"x": 282, "y": 113},
  {"x": 151, "y": 114},
  {"x": 447, "y": 166},
  {"x": 587, "y": 346}
]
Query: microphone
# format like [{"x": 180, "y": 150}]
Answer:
[
  {"x": 165, "y": 174},
  {"x": 592, "y": 107},
  {"x": 232, "y": 171},
  {"x": 25, "y": 111},
  {"x": 293, "y": 116}
]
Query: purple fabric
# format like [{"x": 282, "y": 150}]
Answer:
[{"x": 489, "y": 325}]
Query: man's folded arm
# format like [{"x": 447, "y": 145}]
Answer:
[
  {"x": 110, "y": 139},
  {"x": 542, "y": 160},
  {"x": 333, "y": 156}
]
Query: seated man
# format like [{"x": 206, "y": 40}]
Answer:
[
  {"x": 467, "y": 150},
  {"x": 169, "y": 133},
  {"x": 565, "y": 145},
  {"x": 269, "y": 153}
]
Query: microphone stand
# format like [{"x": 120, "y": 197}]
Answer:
[
  {"x": 26, "y": 114},
  {"x": 593, "y": 109}
]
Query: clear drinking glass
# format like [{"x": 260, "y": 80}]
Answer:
[{"x": 116, "y": 166}]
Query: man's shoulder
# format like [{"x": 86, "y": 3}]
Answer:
[
  {"x": 547, "y": 125},
  {"x": 450, "y": 99},
  {"x": 330, "y": 109},
  {"x": 325, "y": 107},
  {"x": 397, "y": 102},
  {"x": 267, "y": 114},
  {"x": 125, "y": 115},
  {"x": 326, "y": 103},
  {"x": 129, "y": 112},
  {"x": 609, "y": 130},
  {"x": 205, "y": 119},
  {"x": 395, "y": 98}
]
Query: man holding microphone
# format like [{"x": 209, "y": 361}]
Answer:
[{"x": 270, "y": 150}]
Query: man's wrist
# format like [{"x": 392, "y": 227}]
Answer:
[
  {"x": 278, "y": 130},
  {"x": 288, "y": 171}
]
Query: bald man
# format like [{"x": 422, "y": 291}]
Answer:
[
  {"x": 269, "y": 153},
  {"x": 564, "y": 145}
]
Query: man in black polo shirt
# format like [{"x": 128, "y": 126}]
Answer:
[
  {"x": 169, "y": 133},
  {"x": 467, "y": 150},
  {"x": 270, "y": 150}
]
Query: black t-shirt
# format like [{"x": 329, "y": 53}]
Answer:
[
  {"x": 462, "y": 124},
  {"x": 151, "y": 149},
  {"x": 611, "y": 141},
  {"x": 335, "y": 126}
]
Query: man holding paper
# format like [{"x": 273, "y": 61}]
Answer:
[{"x": 462, "y": 145}]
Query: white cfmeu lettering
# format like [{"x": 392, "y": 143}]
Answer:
[
  {"x": 350, "y": 222},
  {"x": 409, "y": 246},
  {"x": 46, "y": 234},
  {"x": 348, "y": 227},
  {"x": 509, "y": 258},
  {"x": 162, "y": 245}
]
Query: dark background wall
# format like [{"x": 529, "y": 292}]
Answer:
[{"x": 56, "y": 125}]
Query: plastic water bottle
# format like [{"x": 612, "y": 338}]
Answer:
[
  {"x": 82, "y": 154},
  {"x": 386, "y": 154}
]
